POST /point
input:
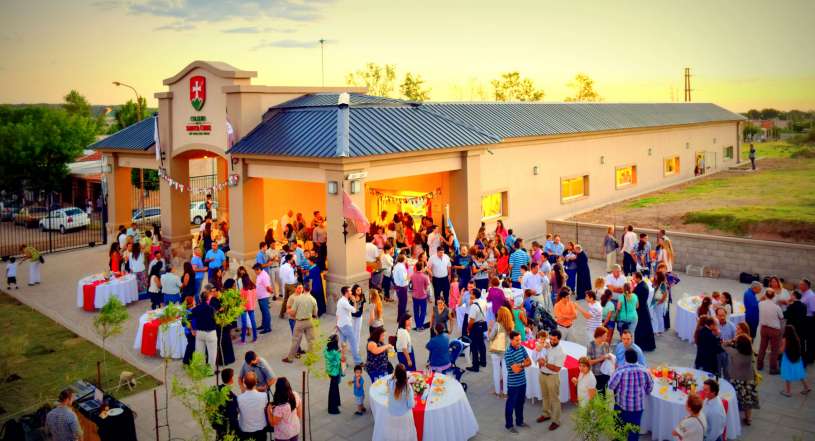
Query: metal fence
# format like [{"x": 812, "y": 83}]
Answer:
[
  {"x": 49, "y": 228},
  {"x": 146, "y": 213}
]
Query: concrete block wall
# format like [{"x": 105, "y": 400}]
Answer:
[{"x": 729, "y": 255}]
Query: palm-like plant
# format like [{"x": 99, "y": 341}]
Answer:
[{"x": 109, "y": 321}]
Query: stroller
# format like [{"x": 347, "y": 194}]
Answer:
[
  {"x": 456, "y": 348},
  {"x": 543, "y": 320}
]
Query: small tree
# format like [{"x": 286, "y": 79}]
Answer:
[
  {"x": 598, "y": 420},
  {"x": 413, "y": 88},
  {"x": 378, "y": 79},
  {"x": 232, "y": 307},
  {"x": 584, "y": 89},
  {"x": 108, "y": 322},
  {"x": 512, "y": 87},
  {"x": 310, "y": 360},
  {"x": 203, "y": 400}
]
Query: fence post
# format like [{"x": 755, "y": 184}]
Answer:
[{"x": 155, "y": 410}]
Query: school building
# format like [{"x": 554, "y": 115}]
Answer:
[{"x": 300, "y": 148}]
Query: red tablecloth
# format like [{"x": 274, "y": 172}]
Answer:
[
  {"x": 419, "y": 409},
  {"x": 149, "y": 336},
  {"x": 89, "y": 295},
  {"x": 573, "y": 369}
]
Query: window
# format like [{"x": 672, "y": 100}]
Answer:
[
  {"x": 625, "y": 176},
  {"x": 574, "y": 188},
  {"x": 672, "y": 166},
  {"x": 728, "y": 152},
  {"x": 493, "y": 205}
]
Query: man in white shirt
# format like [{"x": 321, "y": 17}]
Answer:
[
  {"x": 550, "y": 366},
  {"x": 440, "y": 268},
  {"x": 170, "y": 286},
  {"x": 386, "y": 264},
  {"x": 769, "y": 326},
  {"x": 252, "y": 409},
  {"x": 289, "y": 280},
  {"x": 476, "y": 327},
  {"x": 630, "y": 241},
  {"x": 345, "y": 325},
  {"x": 285, "y": 220},
  {"x": 713, "y": 410},
  {"x": 371, "y": 252},
  {"x": 400, "y": 280},
  {"x": 433, "y": 240},
  {"x": 615, "y": 282}
]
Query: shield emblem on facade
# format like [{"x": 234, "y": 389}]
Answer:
[{"x": 198, "y": 91}]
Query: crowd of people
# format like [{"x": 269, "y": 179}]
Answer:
[{"x": 504, "y": 293}]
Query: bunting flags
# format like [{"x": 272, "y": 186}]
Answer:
[{"x": 231, "y": 181}]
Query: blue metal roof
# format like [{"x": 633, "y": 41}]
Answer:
[
  {"x": 510, "y": 120},
  {"x": 135, "y": 137},
  {"x": 331, "y": 99}
]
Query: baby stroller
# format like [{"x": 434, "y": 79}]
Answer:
[
  {"x": 543, "y": 320},
  {"x": 456, "y": 348}
]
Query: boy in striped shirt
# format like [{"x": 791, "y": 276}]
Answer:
[{"x": 516, "y": 360}]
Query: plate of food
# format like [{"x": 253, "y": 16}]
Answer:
[
  {"x": 438, "y": 389},
  {"x": 115, "y": 411}
]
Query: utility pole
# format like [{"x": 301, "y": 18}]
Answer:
[
  {"x": 687, "y": 85},
  {"x": 322, "y": 60}
]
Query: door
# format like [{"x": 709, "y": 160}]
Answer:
[{"x": 699, "y": 168}]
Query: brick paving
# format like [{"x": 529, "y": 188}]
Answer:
[{"x": 779, "y": 417}]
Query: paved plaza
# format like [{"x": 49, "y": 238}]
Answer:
[{"x": 779, "y": 418}]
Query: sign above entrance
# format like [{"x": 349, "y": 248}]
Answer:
[
  {"x": 198, "y": 91},
  {"x": 199, "y": 125}
]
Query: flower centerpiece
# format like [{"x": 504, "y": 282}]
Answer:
[
  {"x": 418, "y": 382},
  {"x": 687, "y": 382}
]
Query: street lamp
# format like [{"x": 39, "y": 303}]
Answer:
[{"x": 139, "y": 110}]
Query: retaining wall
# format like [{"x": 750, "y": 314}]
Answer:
[{"x": 729, "y": 255}]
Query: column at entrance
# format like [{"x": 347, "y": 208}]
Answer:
[
  {"x": 245, "y": 216},
  {"x": 120, "y": 196},
  {"x": 346, "y": 253},
  {"x": 465, "y": 197},
  {"x": 176, "y": 240}
]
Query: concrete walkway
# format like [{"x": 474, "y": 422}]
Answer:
[{"x": 779, "y": 417}]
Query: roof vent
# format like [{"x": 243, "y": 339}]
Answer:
[
  {"x": 343, "y": 125},
  {"x": 344, "y": 99}
]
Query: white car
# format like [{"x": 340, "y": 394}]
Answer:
[
  {"x": 65, "y": 219},
  {"x": 198, "y": 211},
  {"x": 152, "y": 215}
]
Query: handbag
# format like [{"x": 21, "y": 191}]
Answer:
[
  {"x": 498, "y": 344},
  {"x": 269, "y": 409}
]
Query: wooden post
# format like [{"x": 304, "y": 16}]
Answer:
[
  {"x": 305, "y": 407},
  {"x": 99, "y": 374},
  {"x": 155, "y": 407}
]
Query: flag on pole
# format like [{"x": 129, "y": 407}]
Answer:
[
  {"x": 452, "y": 230},
  {"x": 231, "y": 136},
  {"x": 351, "y": 212},
  {"x": 156, "y": 138}
]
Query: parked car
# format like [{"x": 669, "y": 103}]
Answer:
[
  {"x": 152, "y": 215},
  {"x": 64, "y": 219},
  {"x": 198, "y": 211},
  {"x": 7, "y": 212},
  {"x": 30, "y": 216}
]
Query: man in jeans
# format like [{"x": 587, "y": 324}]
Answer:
[
  {"x": 400, "y": 280},
  {"x": 345, "y": 326},
  {"x": 206, "y": 339},
  {"x": 288, "y": 277},
  {"x": 264, "y": 291},
  {"x": 303, "y": 309},
  {"x": 516, "y": 360},
  {"x": 440, "y": 268},
  {"x": 549, "y": 378},
  {"x": 386, "y": 263},
  {"x": 475, "y": 329},
  {"x": 631, "y": 384}
]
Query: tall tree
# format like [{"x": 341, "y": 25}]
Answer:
[
  {"x": 130, "y": 113},
  {"x": 76, "y": 104},
  {"x": 583, "y": 86},
  {"x": 413, "y": 88},
  {"x": 379, "y": 79},
  {"x": 770, "y": 113},
  {"x": 38, "y": 142},
  {"x": 512, "y": 87},
  {"x": 753, "y": 114}
]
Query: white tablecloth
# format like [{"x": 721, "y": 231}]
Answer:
[
  {"x": 448, "y": 416},
  {"x": 171, "y": 339},
  {"x": 662, "y": 412},
  {"x": 533, "y": 387},
  {"x": 686, "y": 316},
  {"x": 125, "y": 288}
]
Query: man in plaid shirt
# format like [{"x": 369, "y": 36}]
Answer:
[{"x": 631, "y": 383}]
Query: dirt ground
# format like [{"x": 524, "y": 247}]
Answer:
[{"x": 670, "y": 214}]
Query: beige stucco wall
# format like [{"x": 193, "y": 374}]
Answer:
[{"x": 534, "y": 198}]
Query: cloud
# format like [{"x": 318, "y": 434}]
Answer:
[
  {"x": 106, "y": 5},
  {"x": 256, "y": 30},
  {"x": 288, "y": 44},
  {"x": 178, "y": 26},
  {"x": 221, "y": 10}
]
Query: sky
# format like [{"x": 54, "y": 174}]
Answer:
[{"x": 742, "y": 54}]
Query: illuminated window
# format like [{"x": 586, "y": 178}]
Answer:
[
  {"x": 728, "y": 152},
  {"x": 672, "y": 166},
  {"x": 625, "y": 176},
  {"x": 493, "y": 205},
  {"x": 573, "y": 188}
]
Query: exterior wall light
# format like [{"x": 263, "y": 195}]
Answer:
[
  {"x": 333, "y": 187},
  {"x": 356, "y": 186},
  {"x": 650, "y": 151},
  {"x": 602, "y": 159},
  {"x": 535, "y": 170},
  {"x": 687, "y": 146}
]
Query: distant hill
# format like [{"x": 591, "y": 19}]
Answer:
[{"x": 96, "y": 109}]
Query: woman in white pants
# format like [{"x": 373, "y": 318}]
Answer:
[
  {"x": 498, "y": 338},
  {"x": 610, "y": 246},
  {"x": 358, "y": 297},
  {"x": 33, "y": 256}
]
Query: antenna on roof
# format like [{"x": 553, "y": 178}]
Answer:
[
  {"x": 687, "y": 85},
  {"x": 322, "y": 60}
]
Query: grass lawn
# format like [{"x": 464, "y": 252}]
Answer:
[
  {"x": 776, "y": 202},
  {"x": 47, "y": 357}
]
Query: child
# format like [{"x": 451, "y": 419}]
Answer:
[
  {"x": 11, "y": 273},
  {"x": 792, "y": 366},
  {"x": 359, "y": 390},
  {"x": 455, "y": 295},
  {"x": 716, "y": 299},
  {"x": 333, "y": 367},
  {"x": 599, "y": 287}
]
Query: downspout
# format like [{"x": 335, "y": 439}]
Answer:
[{"x": 343, "y": 125}]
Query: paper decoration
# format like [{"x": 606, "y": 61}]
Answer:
[{"x": 231, "y": 181}]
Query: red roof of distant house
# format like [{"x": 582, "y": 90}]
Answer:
[
  {"x": 767, "y": 124},
  {"x": 95, "y": 156}
]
